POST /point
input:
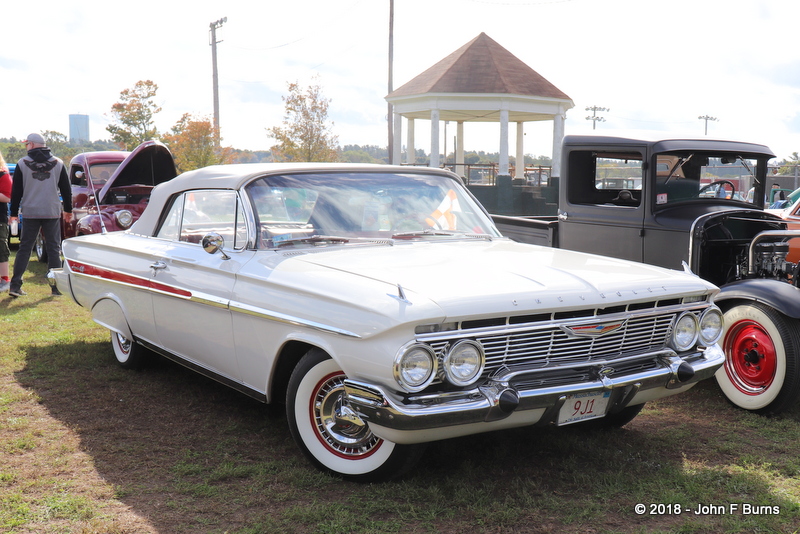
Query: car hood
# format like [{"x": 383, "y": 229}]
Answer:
[
  {"x": 499, "y": 277},
  {"x": 151, "y": 163}
]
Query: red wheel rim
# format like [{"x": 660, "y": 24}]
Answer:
[
  {"x": 337, "y": 436},
  {"x": 751, "y": 358}
]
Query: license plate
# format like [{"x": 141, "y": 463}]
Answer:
[{"x": 583, "y": 406}]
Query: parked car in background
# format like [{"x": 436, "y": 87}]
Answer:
[
  {"x": 382, "y": 306},
  {"x": 791, "y": 216},
  {"x": 110, "y": 189}
]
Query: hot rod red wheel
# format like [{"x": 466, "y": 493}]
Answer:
[
  {"x": 330, "y": 433},
  {"x": 761, "y": 371},
  {"x": 753, "y": 357}
]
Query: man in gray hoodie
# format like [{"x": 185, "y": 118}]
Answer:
[{"x": 38, "y": 179}]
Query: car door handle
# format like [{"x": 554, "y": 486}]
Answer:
[{"x": 157, "y": 266}]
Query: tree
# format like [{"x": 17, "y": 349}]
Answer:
[
  {"x": 787, "y": 167},
  {"x": 134, "y": 115},
  {"x": 57, "y": 142},
  {"x": 304, "y": 136},
  {"x": 193, "y": 144}
]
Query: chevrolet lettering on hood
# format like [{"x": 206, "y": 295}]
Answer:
[{"x": 382, "y": 307}]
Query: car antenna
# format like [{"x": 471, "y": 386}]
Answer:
[{"x": 97, "y": 205}]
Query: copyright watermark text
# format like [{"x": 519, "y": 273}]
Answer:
[{"x": 706, "y": 509}]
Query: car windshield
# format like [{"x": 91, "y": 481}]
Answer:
[
  {"x": 101, "y": 172},
  {"x": 301, "y": 208},
  {"x": 691, "y": 176}
]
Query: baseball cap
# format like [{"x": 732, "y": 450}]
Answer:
[{"x": 35, "y": 138}]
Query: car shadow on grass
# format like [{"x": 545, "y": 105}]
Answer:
[{"x": 187, "y": 454}]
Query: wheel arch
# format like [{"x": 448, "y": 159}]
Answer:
[
  {"x": 781, "y": 296},
  {"x": 287, "y": 359},
  {"x": 108, "y": 313}
]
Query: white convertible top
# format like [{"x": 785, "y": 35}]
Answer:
[{"x": 235, "y": 176}]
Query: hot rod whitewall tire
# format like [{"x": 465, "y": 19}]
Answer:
[
  {"x": 761, "y": 371},
  {"x": 129, "y": 354},
  {"x": 314, "y": 393}
]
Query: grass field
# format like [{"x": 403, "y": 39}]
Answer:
[{"x": 87, "y": 447}]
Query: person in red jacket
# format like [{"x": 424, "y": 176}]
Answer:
[{"x": 5, "y": 198}]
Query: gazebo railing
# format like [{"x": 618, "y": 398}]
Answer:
[{"x": 486, "y": 173}]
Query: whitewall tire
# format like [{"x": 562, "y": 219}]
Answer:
[
  {"x": 761, "y": 371},
  {"x": 330, "y": 434}
]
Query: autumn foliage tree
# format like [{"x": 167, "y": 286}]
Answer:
[
  {"x": 192, "y": 142},
  {"x": 304, "y": 134},
  {"x": 133, "y": 115}
]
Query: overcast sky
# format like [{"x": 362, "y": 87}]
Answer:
[{"x": 657, "y": 65}]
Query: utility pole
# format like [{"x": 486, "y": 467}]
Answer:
[
  {"x": 213, "y": 26},
  {"x": 390, "y": 112},
  {"x": 706, "y": 118},
  {"x": 593, "y": 117}
]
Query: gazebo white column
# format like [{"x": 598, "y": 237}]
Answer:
[
  {"x": 411, "y": 155},
  {"x": 434, "y": 138},
  {"x": 460, "y": 169},
  {"x": 397, "y": 145},
  {"x": 503, "y": 170},
  {"x": 558, "y": 138},
  {"x": 520, "y": 156}
]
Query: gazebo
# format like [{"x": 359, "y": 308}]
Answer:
[{"x": 479, "y": 82}]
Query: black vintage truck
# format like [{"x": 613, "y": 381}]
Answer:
[{"x": 683, "y": 204}]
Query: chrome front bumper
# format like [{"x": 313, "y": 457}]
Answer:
[{"x": 498, "y": 399}]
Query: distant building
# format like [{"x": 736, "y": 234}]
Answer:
[{"x": 78, "y": 128}]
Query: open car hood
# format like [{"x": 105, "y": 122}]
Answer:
[{"x": 150, "y": 163}]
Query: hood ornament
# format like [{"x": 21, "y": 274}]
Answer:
[{"x": 401, "y": 295}]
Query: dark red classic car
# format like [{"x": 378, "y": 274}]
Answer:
[{"x": 110, "y": 189}]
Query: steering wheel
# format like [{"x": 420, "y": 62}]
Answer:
[{"x": 718, "y": 183}]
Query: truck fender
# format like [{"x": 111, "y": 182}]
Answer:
[
  {"x": 108, "y": 313},
  {"x": 781, "y": 296}
]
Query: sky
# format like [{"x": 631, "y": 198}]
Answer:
[{"x": 655, "y": 65}]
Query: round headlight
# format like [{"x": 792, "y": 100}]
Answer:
[
  {"x": 124, "y": 218},
  {"x": 685, "y": 333},
  {"x": 415, "y": 367},
  {"x": 710, "y": 326},
  {"x": 463, "y": 363}
]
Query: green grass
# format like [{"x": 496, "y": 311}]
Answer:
[{"x": 88, "y": 447}]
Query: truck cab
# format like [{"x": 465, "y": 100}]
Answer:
[{"x": 665, "y": 202}]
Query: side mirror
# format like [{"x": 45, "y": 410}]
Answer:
[{"x": 213, "y": 243}]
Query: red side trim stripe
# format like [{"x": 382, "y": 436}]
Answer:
[{"x": 114, "y": 276}]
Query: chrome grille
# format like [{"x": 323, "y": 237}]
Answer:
[{"x": 547, "y": 346}]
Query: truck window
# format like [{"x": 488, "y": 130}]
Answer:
[
  {"x": 706, "y": 177},
  {"x": 605, "y": 179}
]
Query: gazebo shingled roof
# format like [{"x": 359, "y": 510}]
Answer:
[
  {"x": 481, "y": 66},
  {"x": 479, "y": 82}
]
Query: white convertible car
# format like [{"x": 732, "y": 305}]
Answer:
[{"x": 381, "y": 305}]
